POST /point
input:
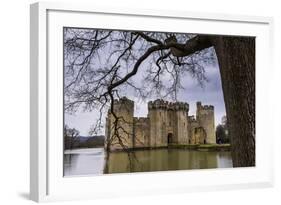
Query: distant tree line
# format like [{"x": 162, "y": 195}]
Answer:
[{"x": 73, "y": 140}]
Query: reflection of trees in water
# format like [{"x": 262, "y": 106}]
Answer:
[
  {"x": 122, "y": 161},
  {"x": 84, "y": 162},
  {"x": 160, "y": 160},
  {"x": 68, "y": 160}
]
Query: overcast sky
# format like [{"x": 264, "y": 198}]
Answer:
[{"x": 210, "y": 94}]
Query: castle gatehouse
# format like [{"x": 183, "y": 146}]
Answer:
[{"x": 166, "y": 123}]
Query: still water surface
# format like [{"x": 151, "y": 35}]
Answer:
[{"x": 92, "y": 161}]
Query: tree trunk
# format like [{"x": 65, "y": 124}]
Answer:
[{"x": 236, "y": 57}]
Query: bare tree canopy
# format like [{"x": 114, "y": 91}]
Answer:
[{"x": 100, "y": 63}]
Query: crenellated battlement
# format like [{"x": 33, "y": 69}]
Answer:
[
  {"x": 192, "y": 118},
  {"x": 140, "y": 119},
  {"x": 165, "y": 105},
  {"x": 204, "y": 107},
  {"x": 123, "y": 104},
  {"x": 123, "y": 101}
]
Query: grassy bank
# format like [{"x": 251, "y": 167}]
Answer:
[{"x": 203, "y": 147}]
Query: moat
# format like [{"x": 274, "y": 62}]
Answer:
[{"x": 80, "y": 162}]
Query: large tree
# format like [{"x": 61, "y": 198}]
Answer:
[{"x": 100, "y": 64}]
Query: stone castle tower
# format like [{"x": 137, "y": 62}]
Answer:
[
  {"x": 205, "y": 118},
  {"x": 124, "y": 110},
  {"x": 166, "y": 123}
]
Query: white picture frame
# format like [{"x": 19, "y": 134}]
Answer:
[{"x": 46, "y": 180}]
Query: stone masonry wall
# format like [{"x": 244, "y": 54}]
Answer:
[{"x": 141, "y": 132}]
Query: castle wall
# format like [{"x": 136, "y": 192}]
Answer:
[
  {"x": 199, "y": 135},
  {"x": 192, "y": 125},
  {"x": 154, "y": 126},
  {"x": 171, "y": 126},
  {"x": 182, "y": 125},
  {"x": 206, "y": 118},
  {"x": 141, "y": 132}
]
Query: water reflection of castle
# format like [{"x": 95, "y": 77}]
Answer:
[{"x": 166, "y": 123}]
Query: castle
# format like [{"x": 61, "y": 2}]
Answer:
[{"x": 166, "y": 123}]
